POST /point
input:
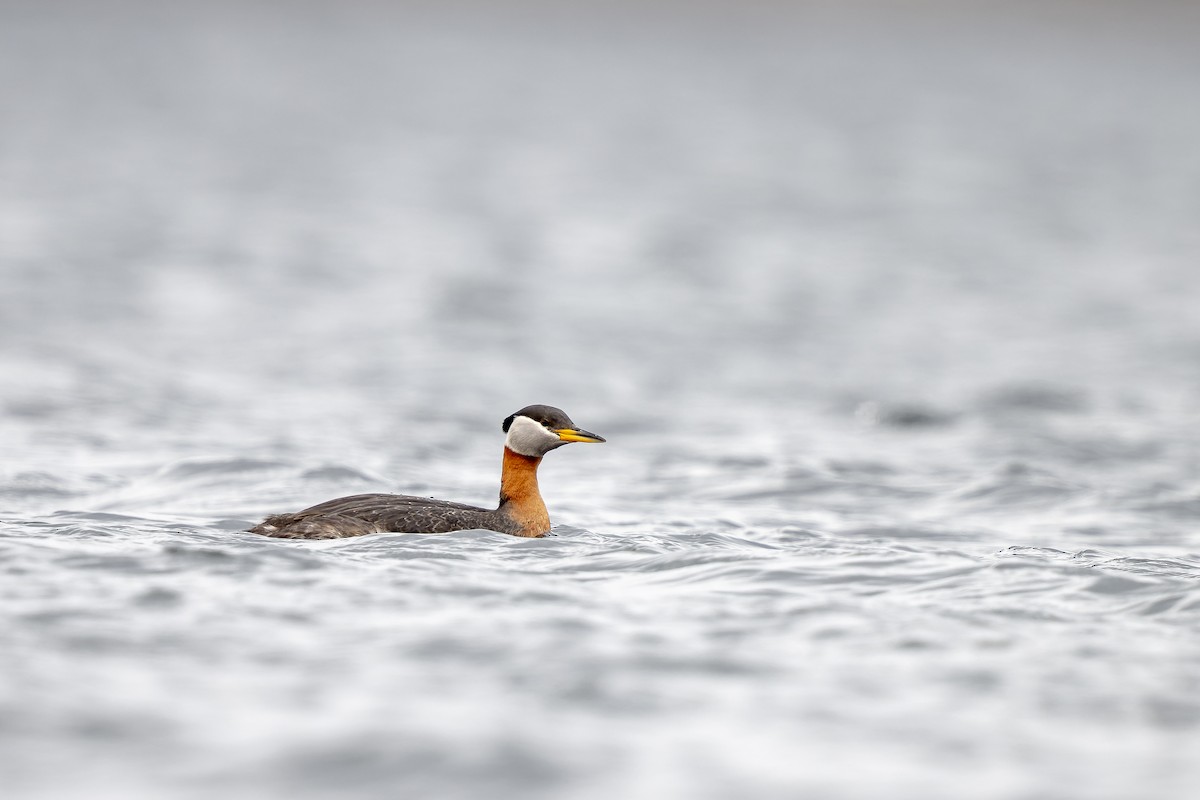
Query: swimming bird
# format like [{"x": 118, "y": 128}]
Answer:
[{"x": 532, "y": 432}]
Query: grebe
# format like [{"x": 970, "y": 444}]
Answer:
[{"x": 532, "y": 432}]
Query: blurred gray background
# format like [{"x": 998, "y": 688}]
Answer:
[{"x": 212, "y": 210}]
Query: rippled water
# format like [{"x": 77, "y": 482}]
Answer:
[{"x": 889, "y": 315}]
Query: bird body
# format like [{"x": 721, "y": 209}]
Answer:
[{"x": 531, "y": 433}]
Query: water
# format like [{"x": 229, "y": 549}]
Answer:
[{"x": 887, "y": 312}]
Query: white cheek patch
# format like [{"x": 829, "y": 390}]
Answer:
[{"x": 530, "y": 438}]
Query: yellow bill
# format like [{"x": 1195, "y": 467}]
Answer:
[{"x": 577, "y": 435}]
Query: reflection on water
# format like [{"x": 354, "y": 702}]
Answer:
[{"x": 888, "y": 314}]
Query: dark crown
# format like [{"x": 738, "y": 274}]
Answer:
[{"x": 549, "y": 416}]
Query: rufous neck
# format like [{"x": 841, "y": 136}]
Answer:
[
  {"x": 520, "y": 499},
  {"x": 518, "y": 479}
]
